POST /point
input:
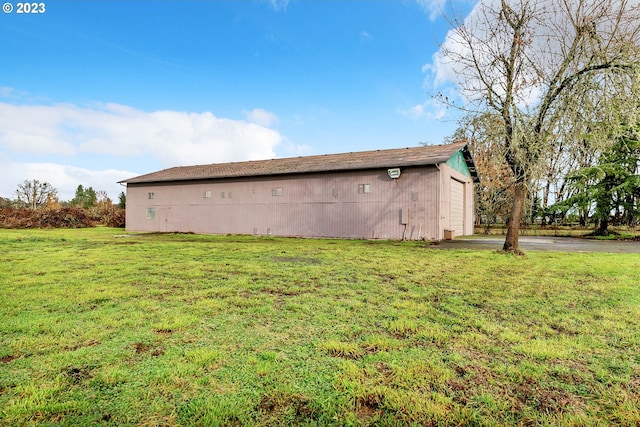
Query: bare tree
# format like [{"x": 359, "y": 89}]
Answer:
[
  {"x": 35, "y": 194},
  {"x": 493, "y": 194},
  {"x": 540, "y": 64},
  {"x": 102, "y": 198}
]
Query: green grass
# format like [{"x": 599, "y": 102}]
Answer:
[
  {"x": 97, "y": 328},
  {"x": 617, "y": 233}
]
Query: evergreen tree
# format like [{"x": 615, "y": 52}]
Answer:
[
  {"x": 611, "y": 185},
  {"x": 84, "y": 197},
  {"x": 122, "y": 200}
]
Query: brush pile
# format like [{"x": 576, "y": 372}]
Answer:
[{"x": 62, "y": 217}]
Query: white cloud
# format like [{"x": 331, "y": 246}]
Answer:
[
  {"x": 430, "y": 109},
  {"x": 292, "y": 150},
  {"x": 433, "y": 7},
  {"x": 171, "y": 137},
  {"x": 68, "y": 145},
  {"x": 63, "y": 177},
  {"x": 261, "y": 117}
]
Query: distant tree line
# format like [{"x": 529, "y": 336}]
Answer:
[{"x": 36, "y": 204}]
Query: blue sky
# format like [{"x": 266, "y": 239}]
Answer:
[{"x": 92, "y": 92}]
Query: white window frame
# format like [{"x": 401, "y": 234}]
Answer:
[{"x": 364, "y": 188}]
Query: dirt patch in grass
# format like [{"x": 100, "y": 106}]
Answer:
[
  {"x": 370, "y": 402},
  {"x": 366, "y": 412},
  {"x": 561, "y": 329},
  {"x": 468, "y": 381},
  {"x": 287, "y": 292},
  {"x": 548, "y": 400},
  {"x": 7, "y": 359},
  {"x": 345, "y": 350},
  {"x": 153, "y": 349},
  {"x": 281, "y": 403},
  {"x": 77, "y": 374}
]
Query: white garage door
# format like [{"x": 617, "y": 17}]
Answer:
[{"x": 456, "y": 214}]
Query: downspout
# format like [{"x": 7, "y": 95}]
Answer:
[{"x": 438, "y": 203}]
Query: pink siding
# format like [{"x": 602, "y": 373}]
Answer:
[{"x": 311, "y": 205}]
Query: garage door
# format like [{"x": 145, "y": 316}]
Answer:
[{"x": 456, "y": 214}]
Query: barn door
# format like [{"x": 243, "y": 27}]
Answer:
[{"x": 456, "y": 213}]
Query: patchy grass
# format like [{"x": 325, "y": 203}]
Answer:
[
  {"x": 616, "y": 233},
  {"x": 101, "y": 328},
  {"x": 613, "y": 235}
]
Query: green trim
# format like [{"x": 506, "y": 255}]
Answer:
[{"x": 458, "y": 163}]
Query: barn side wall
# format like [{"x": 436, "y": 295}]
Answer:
[{"x": 353, "y": 204}]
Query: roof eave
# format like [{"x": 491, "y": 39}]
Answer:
[
  {"x": 141, "y": 180},
  {"x": 200, "y": 172}
]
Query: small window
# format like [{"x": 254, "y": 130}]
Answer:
[
  {"x": 364, "y": 188},
  {"x": 151, "y": 213},
  {"x": 207, "y": 194},
  {"x": 151, "y": 195},
  {"x": 229, "y": 195},
  {"x": 276, "y": 191},
  {"x": 414, "y": 196},
  {"x": 222, "y": 195}
]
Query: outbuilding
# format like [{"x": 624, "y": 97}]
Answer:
[{"x": 413, "y": 193}]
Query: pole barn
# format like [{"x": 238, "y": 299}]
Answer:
[{"x": 401, "y": 194}]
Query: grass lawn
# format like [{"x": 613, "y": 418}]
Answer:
[
  {"x": 617, "y": 233},
  {"x": 97, "y": 328}
]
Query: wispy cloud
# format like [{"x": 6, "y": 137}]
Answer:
[
  {"x": 365, "y": 35},
  {"x": 279, "y": 5},
  {"x": 261, "y": 117},
  {"x": 429, "y": 109},
  {"x": 433, "y": 8},
  {"x": 6, "y": 92}
]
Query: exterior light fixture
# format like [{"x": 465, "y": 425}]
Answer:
[{"x": 394, "y": 173}]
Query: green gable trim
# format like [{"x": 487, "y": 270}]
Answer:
[{"x": 458, "y": 163}]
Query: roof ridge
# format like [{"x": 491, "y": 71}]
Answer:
[{"x": 381, "y": 158}]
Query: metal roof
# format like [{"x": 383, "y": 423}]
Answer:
[{"x": 397, "y": 157}]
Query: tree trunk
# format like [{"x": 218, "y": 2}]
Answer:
[
  {"x": 603, "y": 230},
  {"x": 545, "y": 200},
  {"x": 584, "y": 216},
  {"x": 513, "y": 230}
]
